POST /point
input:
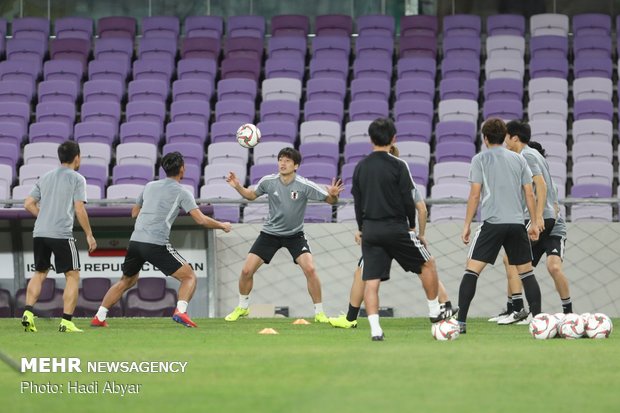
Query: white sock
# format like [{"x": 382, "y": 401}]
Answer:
[
  {"x": 102, "y": 313},
  {"x": 318, "y": 308},
  {"x": 244, "y": 301},
  {"x": 182, "y": 306},
  {"x": 433, "y": 307},
  {"x": 375, "y": 328}
]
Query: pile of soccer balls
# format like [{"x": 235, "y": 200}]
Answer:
[{"x": 570, "y": 326}]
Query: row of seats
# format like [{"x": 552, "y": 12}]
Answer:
[{"x": 150, "y": 298}]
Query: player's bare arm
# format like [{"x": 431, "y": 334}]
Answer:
[
  {"x": 334, "y": 191},
  {"x": 135, "y": 211},
  {"x": 472, "y": 206},
  {"x": 541, "y": 200},
  {"x": 247, "y": 193},
  {"x": 32, "y": 206},
  {"x": 422, "y": 218},
  {"x": 82, "y": 216},
  {"x": 208, "y": 222},
  {"x": 533, "y": 230}
]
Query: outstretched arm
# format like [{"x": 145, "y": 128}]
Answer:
[
  {"x": 207, "y": 222},
  {"x": 247, "y": 193}
]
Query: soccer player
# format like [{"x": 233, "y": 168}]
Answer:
[
  {"x": 288, "y": 195},
  {"x": 504, "y": 180},
  {"x": 552, "y": 246},
  {"x": 56, "y": 198},
  {"x": 356, "y": 295},
  {"x": 156, "y": 209},
  {"x": 385, "y": 214}
]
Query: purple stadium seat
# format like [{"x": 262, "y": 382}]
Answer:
[
  {"x": 95, "y": 175},
  {"x": 267, "y": 152},
  {"x": 248, "y": 47},
  {"x": 467, "y": 47},
  {"x": 326, "y": 88},
  {"x": 90, "y": 296},
  {"x": 547, "y": 109},
  {"x": 556, "y": 151},
  {"x": 370, "y": 89},
  {"x": 504, "y": 46},
  {"x": 276, "y": 131},
  {"x": 329, "y": 68},
  {"x": 259, "y": 171},
  {"x": 414, "y": 110},
  {"x": 70, "y": 49},
  {"x": 331, "y": 47},
  {"x": 422, "y": 88},
  {"x": 376, "y": 25},
  {"x": 417, "y": 67},
  {"x": 148, "y": 90},
  {"x": 17, "y": 70},
  {"x": 6, "y": 308},
  {"x": 116, "y": 26},
  {"x": 330, "y": 110},
  {"x": 132, "y": 174},
  {"x": 458, "y": 109},
  {"x": 190, "y": 110},
  {"x": 196, "y": 68},
  {"x": 503, "y": 109},
  {"x": 320, "y": 173},
  {"x": 186, "y": 132},
  {"x": 242, "y": 111},
  {"x": 334, "y": 25},
  {"x": 372, "y": 68},
  {"x": 236, "y": 89},
  {"x": 592, "y": 88},
  {"x": 204, "y": 26},
  {"x": 31, "y": 28},
  {"x": 15, "y": 112},
  {"x": 16, "y": 91},
  {"x": 375, "y": 46},
  {"x": 290, "y": 25},
  {"x": 549, "y": 24},
  {"x": 56, "y": 112},
  {"x": 140, "y": 131},
  {"x": 93, "y": 131},
  {"x": 151, "y": 68},
  {"x": 151, "y": 298},
  {"x": 116, "y": 70},
  {"x": 458, "y": 88},
  {"x": 223, "y": 212},
  {"x": 29, "y": 174},
  {"x": 504, "y": 68},
  {"x": 57, "y": 132},
  {"x": 548, "y": 88},
  {"x": 451, "y": 172},
  {"x": 591, "y": 213},
  {"x": 279, "y": 110},
  {"x": 281, "y": 89},
  {"x": 368, "y": 109},
  {"x": 414, "y": 152},
  {"x": 546, "y": 130},
  {"x": 124, "y": 191},
  {"x": 289, "y": 47},
  {"x": 592, "y": 172},
  {"x": 592, "y": 46},
  {"x": 12, "y": 133},
  {"x": 227, "y": 152},
  {"x": 462, "y": 25},
  {"x": 593, "y": 67},
  {"x": 49, "y": 304},
  {"x": 593, "y": 109},
  {"x": 591, "y": 191},
  {"x": 586, "y": 24},
  {"x": 454, "y": 151},
  {"x": 225, "y": 131},
  {"x": 320, "y": 152},
  {"x": 136, "y": 153},
  {"x": 276, "y": 67},
  {"x": 74, "y": 28},
  {"x": 416, "y": 45},
  {"x": 413, "y": 130},
  {"x": 113, "y": 48},
  {"x": 585, "y": 151},
  {"x": 200, "y": 47},
  {"x": 102, "y": 112},
  {"x": 58, "y": 91},
  {"x": 102, "y": 90},
  {"x": 592, "y": 130},
  {"x": 320, "y": 131},
  {"x": 418, "y": 24},
  {"x": 240, "y": 26},
  {"x": 455, "y": 131},
  {"x": 217, "y": 173},
  {"x": 63, "y": 70},
  {"x": 148, "y": 111},
  {"x": 161, "y": 27},
  {"x": 356, "y": 151},
  {"x": 549, "y": 46},
  {"x": 26, "y": 49},
  {"x": 357, "y": 131},
  {"x": 503, "y": 89},
  {"x": 240, "y": 67},
  {"x": 9, "y": 154},
  {"x": 458, "y": 67},
  {"x": 506, "y": 24}
]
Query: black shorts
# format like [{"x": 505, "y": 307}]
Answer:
[
  {"x": 544, "y": 242},
  {"x": 66, "y": 257},
  {"x": 554, "y": 245},
  {"x": 385, "y": 276},
  {"x": 383, "y": 241},
  {"x": 266, "y": 245},
  {"x": 164, "y": 257},
  {"x": 490, "y": 238}
]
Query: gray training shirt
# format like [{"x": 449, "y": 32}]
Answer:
[
  {"x": 538, "y": 165},
  {"x": 56, "y": 192},
  {"x": 502, "y": 174},
  {"x": 160, "y": 202},
  {"x": 287, "y": 203}
]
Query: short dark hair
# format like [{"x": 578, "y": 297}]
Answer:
[
  {"x": 538, "y": 147},
  {"x": 172, "y": 163},
  {"x": 494, "y": 129},
  {"x": 67, "y": 151},
  {"x": 381, "y": 131},
  {"x": 291, "y": 153},
  {"x": 519, "y": 128}
]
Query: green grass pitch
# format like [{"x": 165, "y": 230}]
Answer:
[{"x": 316, "y": 368}]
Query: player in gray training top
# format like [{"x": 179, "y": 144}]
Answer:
[
  {"x": 288, "y": 195},
  {"x": 55, "y": 199},
  {"x": 503, "y": 178},
  {"x": 156, "y": 209}
]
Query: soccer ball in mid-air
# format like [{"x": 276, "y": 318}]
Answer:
[
  {"x": 571, "y": 327},
  {"x": 445, "y": 330},
  {"x": 543, "y": 326},
  {"x": 248, "y": 135},
  {"x": 599, "y": 326}
]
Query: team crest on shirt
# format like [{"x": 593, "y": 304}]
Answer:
[{"x": 294, "y": 195}]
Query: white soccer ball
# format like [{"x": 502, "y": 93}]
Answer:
[
  {"x": 543, "y": 326},
  {"x": 445, "y": 330},
  {"x": 571, "y": 327},
  {"x": 248, "y": 135},
  {"x": 585, "y": 317},
  {"x": 599, "y": 326}
]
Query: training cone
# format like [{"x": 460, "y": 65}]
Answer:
[
  {"x": 301, "y": 321},
  {"x": 268, "y": 331}
]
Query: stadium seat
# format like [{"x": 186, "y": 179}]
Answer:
[
  {"x": 150, "y": 298},
  {"x": 6, "y": 306},
  {"x": 91, "y": 295}
]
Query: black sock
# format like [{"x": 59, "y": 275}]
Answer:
[
  {"x": 532, "y": 291},
  {"x": 567, "y": 305},
  {"x": 352, "y": 313},
  {"x": 67, "y": 317},
  {"x": 466, "y": 293},
  {"x": 29, "y": 308},
  {"x": 509, "y": 308},
  {"x": 517, "y": 302}
]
